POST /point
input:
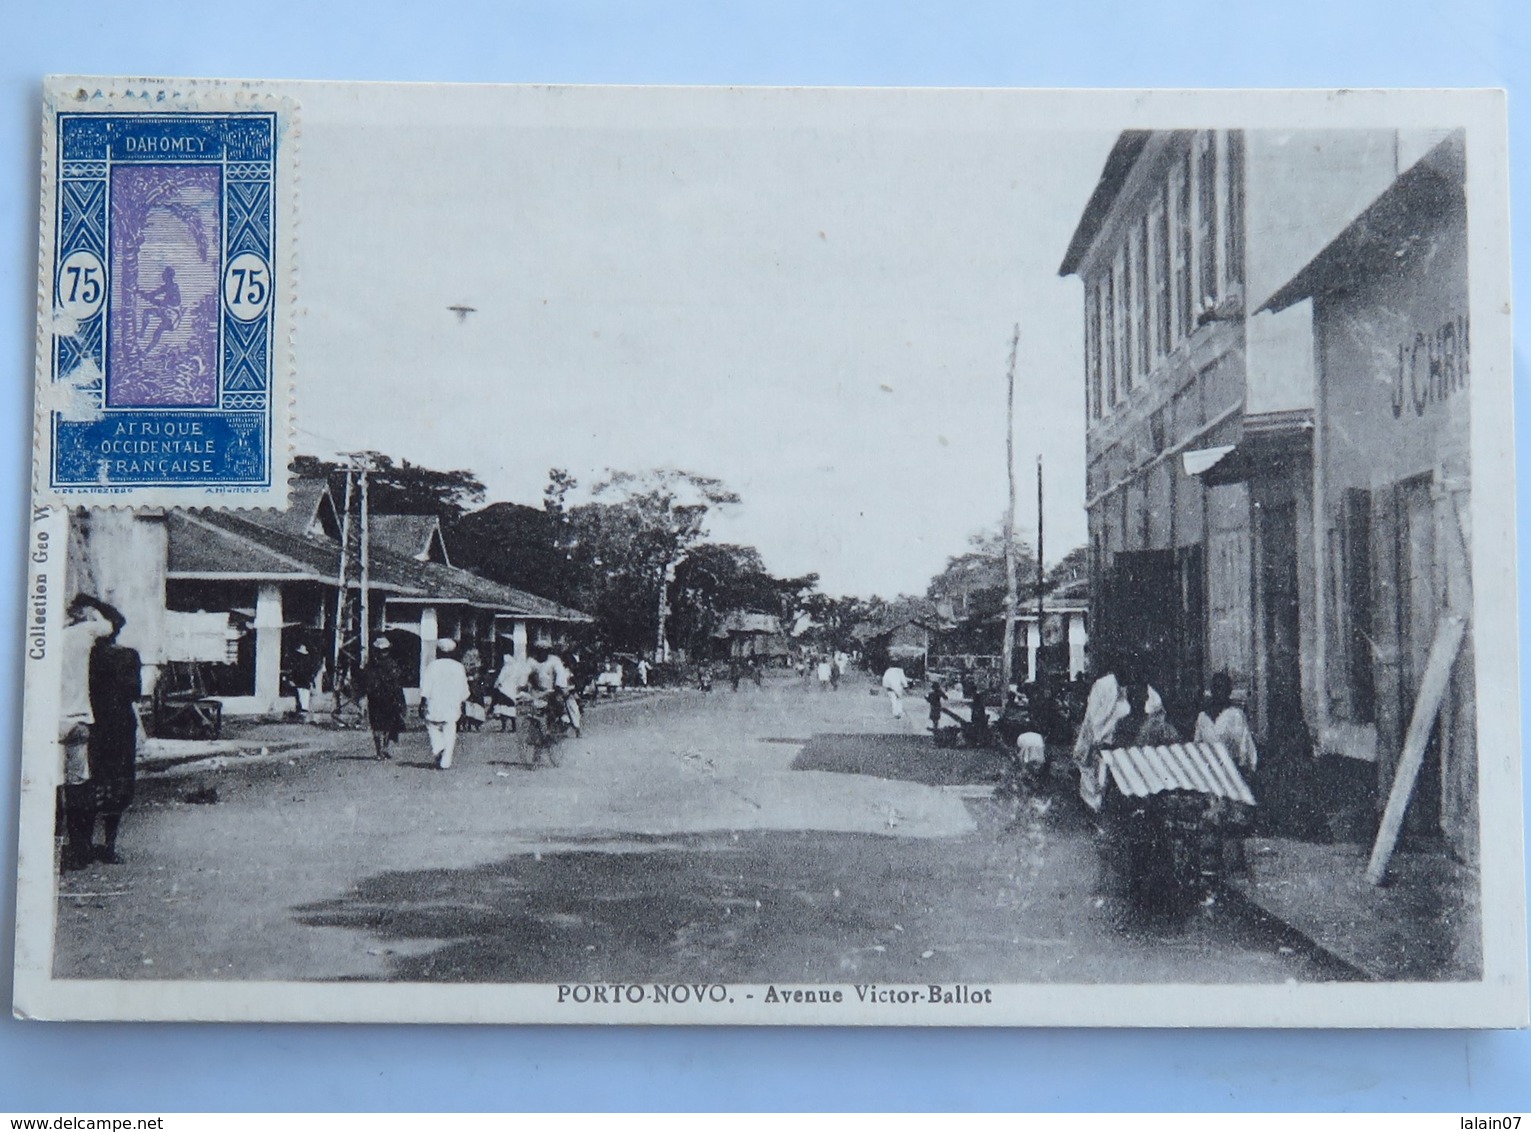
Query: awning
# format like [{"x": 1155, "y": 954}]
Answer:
[
  {"x": 1205, "y": 768},
  {"x": 1271, "y": 444},
  {"x": 1200, "y": 460},
  {"x": 1394, "y": 230}
]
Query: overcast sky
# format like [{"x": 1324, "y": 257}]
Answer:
[{"x": 808, "y": 294}]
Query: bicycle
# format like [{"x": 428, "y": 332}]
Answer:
[{"x": 548, "y": 723}]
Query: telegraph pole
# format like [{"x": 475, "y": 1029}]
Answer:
[
  {"x": 1041, "y": 571},
  {"x": 366, "y": 565},
  {"x": 1007, "y": 659},
  {"x": 342, "y": 618}
]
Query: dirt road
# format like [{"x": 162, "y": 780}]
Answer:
[{"x": 780, "y": 833}]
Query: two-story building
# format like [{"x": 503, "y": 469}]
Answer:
[{"x": 1200, "y": 409}]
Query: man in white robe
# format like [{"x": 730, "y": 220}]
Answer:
[
  {"x": 444, "y": 689},
  {"x": 895, "y": 683}
]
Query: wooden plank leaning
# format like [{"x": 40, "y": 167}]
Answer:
[{"x": 1427, "y": 704}]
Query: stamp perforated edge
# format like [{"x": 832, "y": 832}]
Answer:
[{"x": 90, "y": 95}]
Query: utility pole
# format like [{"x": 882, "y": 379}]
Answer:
[
  {"x": 1007, "y": 658},
  {"x": 664, "y": 608},
  {"x": 342, "y": 591},
  {"x": 366, "y": 565},
  {"x": 1041, "y": 574}
]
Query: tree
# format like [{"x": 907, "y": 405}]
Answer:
[
  {"x": 513, "y": 544},
  {"x": 404, "y": 488},
  {"x": 973, "y": 587},
  {"x": 836, "y": 618},
  {"x": 712, "y": 581},
  {"x": 794, "y": 595},
  {"x": 974, "y": 581},
  {"x": 1073, "y": 566},
  {"x": 627, "y": 543}
]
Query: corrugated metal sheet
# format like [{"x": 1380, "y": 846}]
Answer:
[{"x": 1205, "y": 768}]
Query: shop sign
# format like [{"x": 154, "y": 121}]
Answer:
[{"x": 1431, "y": 368}]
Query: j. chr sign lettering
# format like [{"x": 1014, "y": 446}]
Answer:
[{"x": 1431, "y": 368}]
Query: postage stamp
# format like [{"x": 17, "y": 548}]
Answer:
[
  {"x": 773, "y": 557},
  {"x": 166, "y": 281}
]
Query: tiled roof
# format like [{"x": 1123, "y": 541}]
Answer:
[
  {"x": 304, "y": 499},
  {"x": 917, "y": 611},
  {"x": 409, "y": 535},
  {"x": 203, "y": 543},
  {"x": 746, "y": 621},
  {"x": 235, "y": 545},
  {"x": 433, "y": 578}
]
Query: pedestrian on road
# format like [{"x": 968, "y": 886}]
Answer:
[
  {"x": 443, "y": 691},
  {"x": 116, "y": 682},
  {"x": 89, "y": 621},
  {"x": 1018, "y": 727},
  {"x": 510, "y": 682},
  {"x": 643, "y": 671},
  {"x": 936, "y": 698},
  {"x": 384, "y": 689},
  {"x": 977, "y": 730},
  {"x": 473, "y": 715},
  {"x": 826, "y": 672},
  {"x": 1145, "y": 724},
  {"x": 895, "y": 683},
  {"x": 304, "y": 673}
]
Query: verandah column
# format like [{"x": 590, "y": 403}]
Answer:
[
  {"x": 427, "y": 639},
  {"x": 268, "y": 645}
]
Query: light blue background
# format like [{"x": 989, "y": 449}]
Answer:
[{"x": 102, "y": 1068}]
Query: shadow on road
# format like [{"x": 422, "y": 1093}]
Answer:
[
  {"x": 715, "y": 907},
  {"x": 1009, "y": 905},
  {"x": 908, "y": 758}
]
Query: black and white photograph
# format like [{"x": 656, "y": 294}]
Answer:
[{"x": 772, "y": 556}]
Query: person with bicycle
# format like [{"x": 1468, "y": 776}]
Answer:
[{"x": 551, "y": 676}]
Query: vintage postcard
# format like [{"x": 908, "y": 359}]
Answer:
[{"x": 771, "y": 556}]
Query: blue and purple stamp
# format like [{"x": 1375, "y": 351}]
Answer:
[{"x": 168, "y": 282}]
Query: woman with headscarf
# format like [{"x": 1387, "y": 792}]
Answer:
[{"x": 1224, "y": 722}]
